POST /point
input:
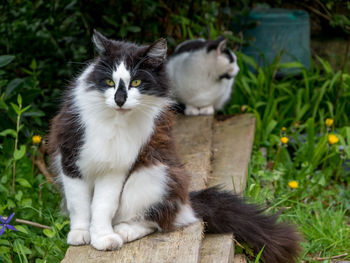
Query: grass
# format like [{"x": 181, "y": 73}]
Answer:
[
  {"x": 320, "y": 213},
  {"x": 296, "y": 107}
]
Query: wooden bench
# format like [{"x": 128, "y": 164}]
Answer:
[{"x": 215, "y": 152}]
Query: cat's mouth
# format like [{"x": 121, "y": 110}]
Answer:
[{"x": 122, "y": 110}]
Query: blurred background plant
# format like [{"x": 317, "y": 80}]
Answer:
[{"x": 45, "y": 43}]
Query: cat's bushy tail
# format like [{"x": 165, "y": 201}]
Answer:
[{"x": 224, "y": 212}]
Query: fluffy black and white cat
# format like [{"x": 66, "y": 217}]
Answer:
[
  {"x": 202, "y": 74},
  {"x": 113, "y": 152}
]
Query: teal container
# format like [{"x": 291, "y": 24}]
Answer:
[{"x": 279, "y": 30}]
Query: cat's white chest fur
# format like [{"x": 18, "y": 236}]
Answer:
[{"x": 109, "y": 148}]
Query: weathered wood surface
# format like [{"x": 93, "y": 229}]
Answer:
[
  {"x": 193, "y": 136},
  {"x": 214, "y": 152},
  {"x": 232, "y": 145},
  {"x": 181, "y": 246},
  {"x": 217, "y": 249}
]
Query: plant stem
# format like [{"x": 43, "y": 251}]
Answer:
[
  {"x": 334, "y": 257},
  {"x": 11, "y": 247},
  {"x": 337, "y": 174},
  {"x": 14, "y": 159},
  {"x": 326, "y": 158},
  {"x": 277, "y": 156},
  {"x": 30, "y": 223}
]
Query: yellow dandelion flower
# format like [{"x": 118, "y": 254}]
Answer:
[
  {"x": 329, "y": 122},
  {"x": 293, "y": 184},
  {"x": 333, "y": 139},
  {"x": 36, "y": 139},
  {"x": 284, "y": 128},
  {"x": 284, "y": 140}
]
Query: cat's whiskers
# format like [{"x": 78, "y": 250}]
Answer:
[{"x": 139, "y": 64}]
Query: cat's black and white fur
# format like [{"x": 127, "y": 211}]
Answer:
[
  {"x": 202, "y": 74},
  {"x": 113, "y": 152}
]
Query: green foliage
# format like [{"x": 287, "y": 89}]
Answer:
[
  {"x": 296, "y": 107},
  {"x": 290, "y": 100}
]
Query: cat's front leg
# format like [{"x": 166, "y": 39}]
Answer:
[
  {"x": 78, "y": 195},
  {"x": 103, "y": 208}
]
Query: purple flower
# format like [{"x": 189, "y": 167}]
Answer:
[{"x": 5, "y": 224}]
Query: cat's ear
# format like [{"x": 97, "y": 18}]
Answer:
[
  {"x": 101, "y": 42},
  {"x": 157, "y": 51},
  {"x": 221, "y": 43}
]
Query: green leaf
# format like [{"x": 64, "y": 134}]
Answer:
[
  {"x": 21, "y": 229},
  {"x": 133, "y": 29},
  {"x": 272, "y": 124},
  {"x": 259, "y": 255},
  {"x": 20, "y": 248},
  {"x": 26, "y": 202},
  {"x": 3, "y": 105},
  {"x": 16, "y": 108},
  {"x": 11, "y": 86},
  {"x": 310, "y": 138},
  {"x": 25, "y": 109},
  {"x": 294, "y": 64},
  {"x": 49, "y": 233},
  {"x": 59, "y": 226},
  {"x": 4, "y": 242},
  {"x": 11, "y": 204},
  {"x": 4, "y": 206},
  {"x": 18, "y": 154},
  {"x": 326, "y": 66},
  {"x": 19, "y": 100},
  {"x": 9, "y": 132},
  {"x": 19, "y": 195},
  {"x": 6, "y": 59},
  {"x": 23, "y": 182},
  {"x": 33, "y": 65}
]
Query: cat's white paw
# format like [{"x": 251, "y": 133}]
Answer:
[
  {"x": 78, "y": 237},
  {"x": 209, "y": 110},
  {"x": 125, "y": 231},
  {"x": 189, "y": 110},
  {"x": 131, "y": 232},
  {"x": 107, "y": 242}
]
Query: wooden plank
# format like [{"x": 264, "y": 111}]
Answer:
[
  {"x": 233, "y": 140},
  {"x": 193, "y": 136},
  {"x": 179, "y": 246},
  {"x": 232, "y": 145},
  {"x": 217, "y": 248}
]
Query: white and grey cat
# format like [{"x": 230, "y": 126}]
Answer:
[
  {"x": 112, "y": 150},
  {"x": 202, "y": 74}
]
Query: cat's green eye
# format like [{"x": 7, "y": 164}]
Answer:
[
  {"x": 136, "y": 82},
  {"x": 110, "y": 82}
]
